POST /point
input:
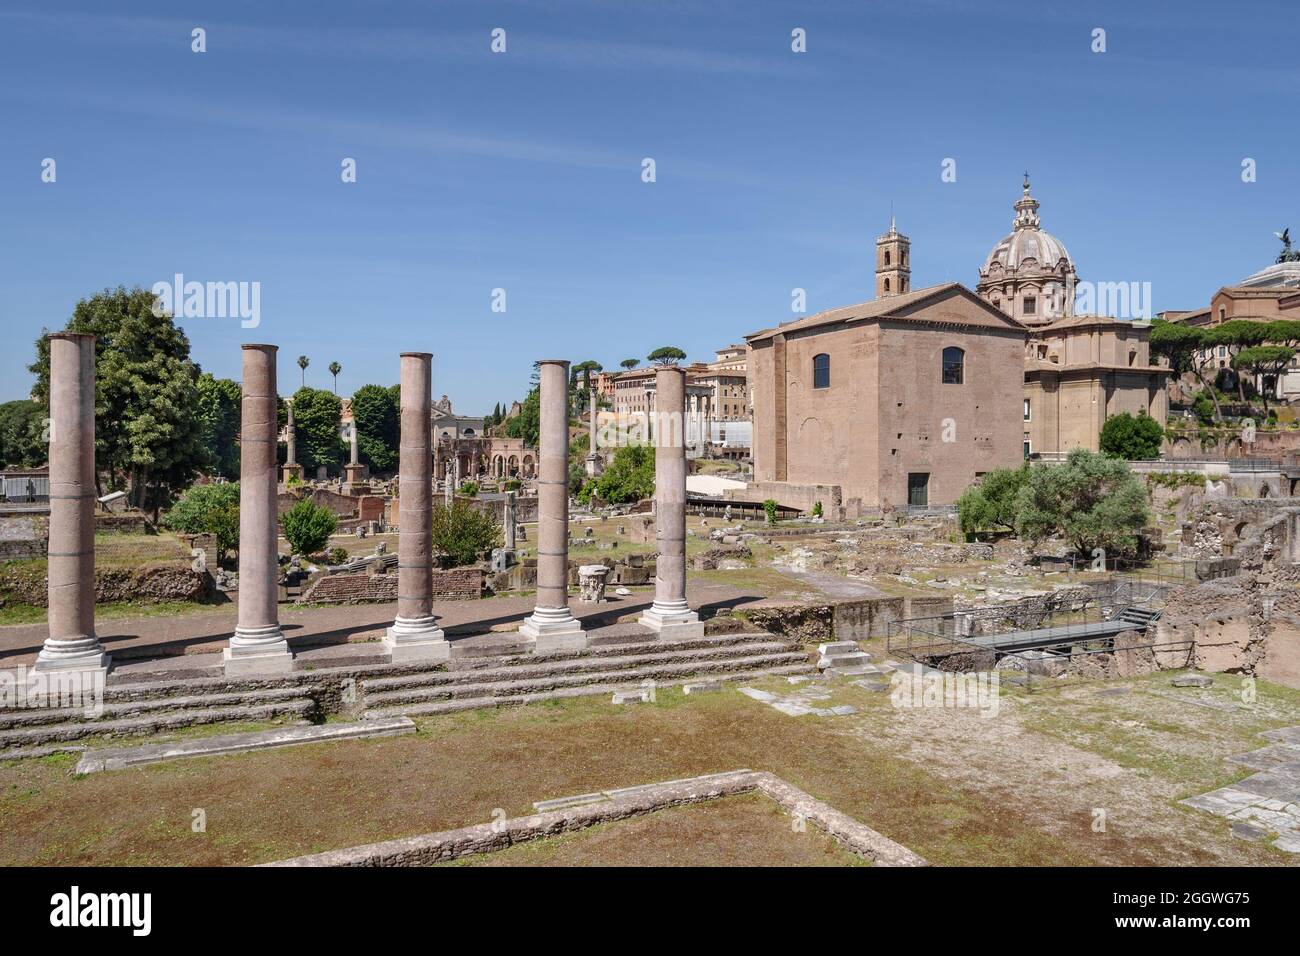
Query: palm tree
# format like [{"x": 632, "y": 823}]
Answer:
[
  {"x": 303, "y": 362},
  {"x": 335, "y": 368}
]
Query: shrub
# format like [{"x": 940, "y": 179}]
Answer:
[
  {"x": 463, "y": 532},
  {"x": 817, "y": 509},
  {"x": 1092, "y": 500},
  {"x": 469, "y": 489},
  {"x": 308, "y": 526},
  {"x": 769, "y": 509},
  {"x": 1132, "y": 437},
  {"x": 991, "y": 504},
  {"x": 208, "y": 509},
  {"x": 629, "y": 477}
]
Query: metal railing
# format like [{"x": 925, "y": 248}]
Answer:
[{"x": 1059, "y": 620}]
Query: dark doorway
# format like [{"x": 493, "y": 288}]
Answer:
[{"x": 918, "y": 489}]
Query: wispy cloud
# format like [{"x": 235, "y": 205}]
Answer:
[{"x": 572, "y": 52}]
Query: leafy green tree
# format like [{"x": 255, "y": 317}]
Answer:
[
  {"x": 464, "y": 533},
  {"x": 1181, "y": 345},
  {"x": 629, "y": 363},
  {"x": 629, "y": 477},
  {"x": 1263, "y": 360},
  {"x": 1132, "y": 437},
  {"x": 316, "y": 415},
  {"x": 1235, "y": 335},
  {"x": 208, "y": 509},
  {"x": 147, "y": 436},
  {"x": 991, "y": 504},
  {"x": 307, "y": 526},
  {"x": 583, "y": 371},
  {"x": 668, "y": 355},
  {"x": 379, "y": 426},
  {"x": 527, "y": 424},
  {"x": 22, "y": 434},
  {"x": 219, "y": 412},
  {"x": 1092, "y": 500},
  {"x": 1283, "y": 332}
]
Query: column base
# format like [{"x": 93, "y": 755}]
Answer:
[
  {"x": 553, "y": 629},
  {"x": 65, "y": 656},
  {"x": 413, "y": 641},
  {"x": 257, "y": 652},
  {"x": 673, "y": 622}
]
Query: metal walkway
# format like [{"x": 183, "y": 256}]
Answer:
[{"x": 1129, "y": 619}]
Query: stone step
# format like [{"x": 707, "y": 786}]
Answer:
[
  {"x": 838, "y": 647},
  {"x": 596, "y": 662},
  {"x": 671, "y": 669},
  {"x": 115, "y": 758},
  {"x": 153, "y": 723},
  {"x": 855, "y": 659},
  {"x": 587, "y": 690},
  {"x": 117, "y": 709}
]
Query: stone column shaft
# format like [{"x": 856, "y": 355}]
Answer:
[
  {"x": 72, "y": 644},
  {"x": 508, "y": 521},
  {"x": 415, "y": 635},
  {"x": 552, "y": 624},
  {"x": 258, "y": 645},
  {"x": 670, "y": 615}
]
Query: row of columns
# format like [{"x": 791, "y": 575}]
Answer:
[{"x": 258, "y": 645}]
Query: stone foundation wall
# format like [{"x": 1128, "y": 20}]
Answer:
[
  {"x": 1248, "y": 624},
  {"x": 23, "y": 536},
  {"x": 457, "y": 584},
  {"x": 150, "y": 583},
  {"x": 854, "y": 620},
  {"x": 343, "y": 506}
]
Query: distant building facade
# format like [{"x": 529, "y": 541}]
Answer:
[{"x": 902, "y": 401}]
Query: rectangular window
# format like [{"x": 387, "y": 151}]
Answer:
[
  {"x": 1028, "y": 450},
  {"x": 1031, "y": 305},
  {"x": 1027, "y": 418}
]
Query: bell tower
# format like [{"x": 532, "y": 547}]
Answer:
[{"x": 893, "y": 263}]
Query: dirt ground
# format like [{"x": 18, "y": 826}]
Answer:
[{"x": 1021, "y": 787}]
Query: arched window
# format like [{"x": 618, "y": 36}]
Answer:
[
  {"x": 821, "y": 371},
  {"x": 886, "y": 285},
  {"x": 953, "y": 361},
  {"x": 886, "y": 257}
]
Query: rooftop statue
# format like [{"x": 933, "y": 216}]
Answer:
[{"x": 1287, "y": 254}]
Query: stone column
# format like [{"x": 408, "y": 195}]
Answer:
[
  {"x": 258, "y": 646},
  {"x": 593, "y": 456},
  {"x": 72, "y": 644},
  {"x": 415, "y": 635},
  {"x": 291, "y": 467},
  {"x": 354, "y": 471},
  {"x": 708, "y": 424},
  {"x": 552, "y": 624},
  {"x": 508, "y": 520},
  {"x": 670, "y": 616}
]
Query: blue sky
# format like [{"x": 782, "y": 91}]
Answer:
[{"x": 522, "y": 170}]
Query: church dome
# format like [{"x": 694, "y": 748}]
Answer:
[
  {"x": 1028, "y": 241},
  {"x": 1029, "y": 274}
]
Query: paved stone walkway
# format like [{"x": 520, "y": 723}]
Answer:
[
  {"x": 1268, "y": 801},
  {"x": 208, "y": 631},
  {"x": 803, "y": 701}
]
